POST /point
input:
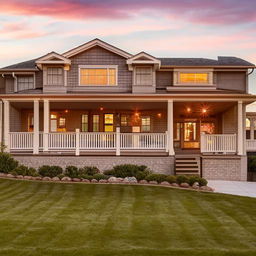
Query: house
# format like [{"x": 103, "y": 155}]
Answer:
[{"x": 99, "y": 105}]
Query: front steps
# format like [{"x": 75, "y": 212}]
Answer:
[{"x": 187, "y": 165}]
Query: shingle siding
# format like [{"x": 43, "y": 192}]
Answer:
[
  {"x": 164, "y": 79},
  {"x": 99, "y": 56}
]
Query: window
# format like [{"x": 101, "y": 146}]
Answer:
[
  {"x": 208, "y": 128},
  {"x": 144, "y": 76},
  {"x": 108, "y": 122},
  {"x": 194, "y": 78},
  {"x": 124, "y": 120},
  {"x": 62, "y": 122},
  {"x": 53, "y": 123},
  {"x": 84, "y": 123},
  {"x": 145, "y": 123},
  {"x": 30, "y": 122},
  {"x": 95, "y": 123},
  {"x": 190, "y": 131},
  {"x": 54, "y": 76},
  {"x": 25, "y": 83},
  {"x": 98, "y": 76}
]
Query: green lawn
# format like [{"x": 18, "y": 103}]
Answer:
[{"x": 39, "y": 218}]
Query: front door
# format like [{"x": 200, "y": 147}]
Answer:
[{"x": 191, "y": 135}]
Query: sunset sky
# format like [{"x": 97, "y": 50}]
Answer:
[{"x": 163, "y": 28}]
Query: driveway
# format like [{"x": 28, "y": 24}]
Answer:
[{"x": 240, "y": 188}]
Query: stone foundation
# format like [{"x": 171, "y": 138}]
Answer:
[
  {"x": 224, "y": 168},
  {"x": 157, "y": 164}
]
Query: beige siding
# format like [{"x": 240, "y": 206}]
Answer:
[
  {"x": 229, "y": 121},
  {"x": 9, "y": 84},
  {"x": 231, "y": 81},
  {"x": 15, "y": 119},
  {"x": 99, "y": 56}
]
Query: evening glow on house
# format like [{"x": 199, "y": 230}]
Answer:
[{"x": 177, "y": 28}]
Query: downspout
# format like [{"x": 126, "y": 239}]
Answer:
[
  {"x": 15, "y": 82},
  {"x": 248, "y": 79}
]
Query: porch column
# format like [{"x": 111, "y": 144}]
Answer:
[
  {"x": 36, "y": 127},
  {"x": 46, "y": 123},
  {"x": 252, "y": 128},
  {"x": 7, "y": 125},
  {"x": 240, "y": 118},
  {"x": 170, "y": 127}
]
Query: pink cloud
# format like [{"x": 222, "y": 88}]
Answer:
[{"x": 197, "y": 11}]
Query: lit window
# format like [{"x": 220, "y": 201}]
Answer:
[
  {"x": 25, "y": 83},
  {"x": 176, "y": 131},
  {"x": 96, "y": 123},
  {"x": 145, "y": 123},
  {"x": 54, "y": 76},
  {"x": 62, "y": 122},
  {"x": 208, "y": 128},
  {"x": 194, "y": 78},
  {"x": 108, "y": 122},
  {"x": 248, "y": 123},
  {"x": 124, "y": 120},
  {"x": 98, "y": 76},
  {"x": 84, "y": 123},
  {"x": 144, "y": 76}
]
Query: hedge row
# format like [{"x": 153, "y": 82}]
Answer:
[{"x": 140, "y": 172}]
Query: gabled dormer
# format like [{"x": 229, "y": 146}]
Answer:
[
  {"x": 144, "y": 68},
  {"x": 54, "y": 67}
]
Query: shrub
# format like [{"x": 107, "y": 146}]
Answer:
[
  {"x": 72, "y": 172},
  {"x": 182, "y": 179},
  {"x": 129, "y": 170},
  {"x": 89, "y": 170},
  {"x": 202, "y": 182},
  {"x": 7, "y": 163},
  {"x": 50, "y": 171},
  {"x": 100, "y": 176},
  {"x": 60, "y": 176},
  {"x": 193, "y": 179},
  {"x": 252, "y": 163},
  {"x": 156, "y": 177},
  {"x": 171, "y": 179},
  {"x": 26, "y": 171},
  {"x": 87, "y": 177}
]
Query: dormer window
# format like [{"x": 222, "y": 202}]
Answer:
[
  {"x": 55, "y": 76},
  {"x": 97, "y": 75},
  {"x": 143, "y": 76},
  {"x": 194, "y": 78}
]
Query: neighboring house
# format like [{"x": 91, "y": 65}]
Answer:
[{"x": 99, "y": 105}]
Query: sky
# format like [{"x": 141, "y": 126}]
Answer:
[{"x": 163, "y": 28}]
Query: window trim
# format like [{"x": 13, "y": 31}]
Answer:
[
  {"x": 62, "y": 76},
  {"x": 135, "y": 75},
  {"x": 99, "y": 67},
  {"x": 177, "y": 72}
]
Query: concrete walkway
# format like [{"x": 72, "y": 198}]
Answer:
[{"x": 240, "y": 188}]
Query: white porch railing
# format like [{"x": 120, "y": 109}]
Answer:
[
  {"x": 251, "y": 145},
  {"x": 218, "y": 143},
  {"x": 21, "y": 140},
  {"x": 97, "y": 140},
  {"x": 143, "y": 141},
  {"x": 65, "y": 141}
]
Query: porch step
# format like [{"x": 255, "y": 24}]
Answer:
[{"x": 187, "y": 165}]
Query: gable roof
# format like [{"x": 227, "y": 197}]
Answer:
[
  {"x": 25, "y": 65},
  {"x": 52, "y": 56},
  {"x": 93, "y": 43}
]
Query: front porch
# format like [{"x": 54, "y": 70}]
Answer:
[{"x": 123, "y": 128}]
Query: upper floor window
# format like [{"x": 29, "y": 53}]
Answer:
[
  {"x": 194, "y": 78},
  {"x": 98, "y": 75},
  {"x": 25, "y": 83},
  {"x": 55, "y": 76},
  {"x": 143, "y": 76}
]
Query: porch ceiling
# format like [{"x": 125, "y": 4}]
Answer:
[{"x": 195, "y": 109}]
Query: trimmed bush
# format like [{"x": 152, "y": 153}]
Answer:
[
  {"x": 156, "y": 177},
  {"x": 129, "y": 170},
  {"x": 89, "y": 170},
  {"x": 7, "y": 163},
  {"x": 50, "y": 171},
  {"x": 100, "y": 176},
  {"x": 171, "y": 179},
  {"x": 182, "y": 179},
  {"x": 72, "y": 172},
  {"x": 193, "y": 179},
  {"x": 202, "y": 182},
  {"x": 87, "y": 177}
]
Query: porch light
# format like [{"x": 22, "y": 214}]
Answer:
[
  {"x": 66, "y": 111},
  {"x": 101, "y": 108},
  {"x": 188, "y": 110},
  {"x": 159, "y": 115},
  {"x": 204, "y": 110},
  {"x": 136, "y": 114}
]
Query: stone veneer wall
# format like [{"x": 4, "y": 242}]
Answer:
[
  {"x": 224, "y": 168},
  {"x": 156, "y": 164}
]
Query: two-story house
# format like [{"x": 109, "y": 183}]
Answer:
[{"x": 99, "y": 105}]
